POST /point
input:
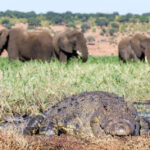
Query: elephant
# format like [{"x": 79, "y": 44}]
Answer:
[
  {"x": 68, "y": 44},
  {"x": 26, "y": 45},
  {"x": 136, "y": 46},
  {"x": 146, "y": 45},
  {"x": 125, "y": 50},
  {"x": 131, "y": 48}
]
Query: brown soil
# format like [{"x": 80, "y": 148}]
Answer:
[
  {"x": 4, "y": 54},
  {"x": 67, "y": 142}
]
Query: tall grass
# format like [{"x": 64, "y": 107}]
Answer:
[{"x": 34, "y": 86}]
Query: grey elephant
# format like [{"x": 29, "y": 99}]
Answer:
[
  {"x": 131, "y": 48},
  {"x": 125, "y": 51},
  {"x": 68, "y": 43},
  {"x": 146, "y": 45},
  {"x": 24, "y": 45}
]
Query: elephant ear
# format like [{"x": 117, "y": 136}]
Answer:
[
  {"x": 3, "y": 38},
  {"x": 65, "y": 45}
]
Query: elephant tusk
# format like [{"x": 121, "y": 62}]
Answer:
[
  {"x": 146, "y": 60},
  {"x": 79, "y": 53}
]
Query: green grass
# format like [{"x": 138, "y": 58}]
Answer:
[{"x": 34, "y": 86}]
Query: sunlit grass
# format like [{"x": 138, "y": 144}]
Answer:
[{"x": 35, "y": 86}]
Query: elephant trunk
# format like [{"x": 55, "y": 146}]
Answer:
[
  {"x": 84, "y": 56},
  {"x": 84, "y": 53}
]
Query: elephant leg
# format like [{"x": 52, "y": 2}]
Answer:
[
  {"x": 147, "y": 54},
  {"x": 63, "y": 57},
  {"x": 133, "y": 55},
  {"x": 13, "y": 51}
]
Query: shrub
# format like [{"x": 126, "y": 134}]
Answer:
[
  {"x": 84, "y": 27},
  {"x": 133, "y": 20},
  {"x": 101, "y": 22},
  {"x": 123, "y": 19},
  {"x": 112, "y": 31},
  {"x": 103, "y": 31},
  {"x": 5, "y": 21},
  {"x": 94, "y": 30},
  {"x": 71, "y": 25},
  {"x": 90, "y": 39},
  {"x": 115, "y": 25},
  {"x": 144, "y": 19},
  {"x": 34, "y": 22}
]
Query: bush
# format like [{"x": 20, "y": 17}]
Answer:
[
  {"x": 144, "y": 19},
  {"x": 5, "y": 21},
  {"x": 34, "y": 21},
  {"x": 115, "y": 25},
  {"x": 94, "y": 30},
  {"x": 112, "y": 31},
  {"x": 8, "y": 26},
  {"x": 123, "y": 19},
  {"x": 84, "y": 27},
  {"x": 71, "y": 25},
  {"x": 133, "y": 20},
  {"x": 103, "y": 31},
  {"x": 101, "y": 22},
  {"x": 90, "y": 39}
]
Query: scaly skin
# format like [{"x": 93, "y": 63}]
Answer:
[{"x": 89, "y": 114}]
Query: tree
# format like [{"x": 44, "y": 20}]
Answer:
[{"x": 68, "y": 17}]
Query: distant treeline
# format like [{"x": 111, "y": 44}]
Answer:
[{"x": 8, "y": 18}]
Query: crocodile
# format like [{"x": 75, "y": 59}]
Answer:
[{"x": 88, "y": 114}]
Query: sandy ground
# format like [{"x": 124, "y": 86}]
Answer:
[{"x": 67, "y": 142}]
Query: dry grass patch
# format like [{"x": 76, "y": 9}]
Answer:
[{"x": 67, "y": 142}]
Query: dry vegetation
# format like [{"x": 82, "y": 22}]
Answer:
[{"x": 10, "y": 141}]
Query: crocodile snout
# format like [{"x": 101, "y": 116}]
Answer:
[{"x": 119, "y": 128}]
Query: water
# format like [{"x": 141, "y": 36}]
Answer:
[{"x": 143, "y": 108}]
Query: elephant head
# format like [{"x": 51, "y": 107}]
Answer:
[
  {"x": 125, "y": 51},
  {"x": 69, "y": 43},
  {"x": 3, "y": 39},
  {"x": 145, "y": 44},
  {"x": 136, "y": 45}
]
